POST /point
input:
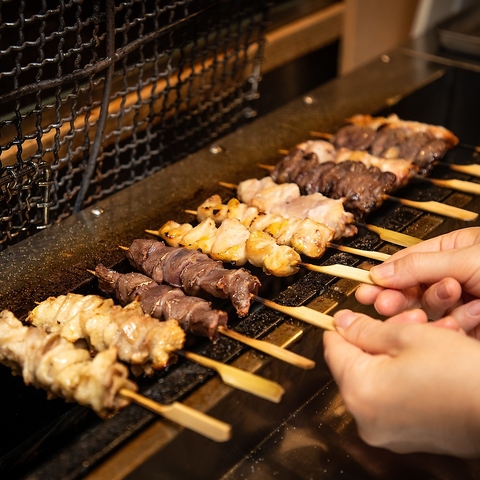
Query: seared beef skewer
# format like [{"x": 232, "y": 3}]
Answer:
[
  {"x": 364, "y": 189},
  {"x": 194, "y": 272},
  {"x": 194, "y": 314},
  {"x": 164, "y": 302}
]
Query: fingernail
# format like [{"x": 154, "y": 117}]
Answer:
[
  {"x": 384, "y": 270},
  {"x": 442, "y": 291},
  {"x": 344, "y": 318},
  {"x": 473, "y": 308}
]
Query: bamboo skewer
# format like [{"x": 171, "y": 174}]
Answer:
[
  {"x": 364, "y": 253},
  {"x": 342, "y": 271},
  {"x": 437, "y": 208},
  {"x": 342, "y": 248},
  {"x": 453, "y": 184},
  {"x": 185, "y": 416},
  {"x": 305, "y": 314},
  {"x": 240, "y": 379},
  {"x": 397, "y": 238},
  {"x": 270, "y": 349},
  {"x": 472, "y": 169}
]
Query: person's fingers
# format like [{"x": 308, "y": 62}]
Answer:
[
  {"x": 441, "y": 297},
  {"x": 367, "y": 294},
  {"x": 449, "y": 323},
  {"x": 341, "y": 356},
  {"x": 467, "y": 315},
  {"x": 408, "y": 317},
  {"x": 368, "y": 334},
  {"x": 391, "y": 302},
  {"x": 429, "y": 268}
]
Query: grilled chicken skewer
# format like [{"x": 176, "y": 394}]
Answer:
[
  {"x": 265, "y": 196},
  {"x": 141, "y": 340},
  {"x": 257, "y": 248},
  {"x": 101, "y": 323},
  {"x": 52, "y": 363},
  {"x": 270, "y": 196},
  {"x": 194, "y": 314}
]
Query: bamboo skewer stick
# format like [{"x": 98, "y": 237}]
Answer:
[
  {"x": 342, "y": 271},
  {"x": 437, "y": 208},
  {"x": 185, "y": 416},
  {"x": 472, "y": 169},
  {"x": 364, "y": 253},
  {"x": 453, "y": 184},
  {"x": 356, "y": 251},
  {"x": 397, "y": 238},
  {"x": 240, "y": 379},
  {"x": 307, "y": 315},
  {"x": 270, "y": 349}
]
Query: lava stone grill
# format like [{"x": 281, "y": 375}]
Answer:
[{"x": 308, "y": 434}]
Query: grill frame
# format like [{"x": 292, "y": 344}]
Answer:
[{"x": 64, "y": 252}]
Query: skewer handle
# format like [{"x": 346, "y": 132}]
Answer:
[
  {"x": 185, "y": 416},
  {"x": 438, "y": 208},
  {"x": 362, "y": 253},
  {"x": 307, "y": 315},
  {"x": 397, "y": 238},
  {"x": 342, "y": 271},
  {"x": 454, "y": 184},
  {"x": 240, "y": 379},
  {"x": 473, "y": 169},
  {"x": 270, "y": 349}
]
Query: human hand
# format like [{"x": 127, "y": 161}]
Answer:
[
  {"x": 439, "y": 275},
  {"x": 411, "y": 388}
]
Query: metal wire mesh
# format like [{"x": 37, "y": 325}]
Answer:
[{"x": 97, "y": 95}]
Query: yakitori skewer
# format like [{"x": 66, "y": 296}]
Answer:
[
  {"x": 343, "y": 248},
  {"x": 50, "y": 362},
  {"x": 193, "y": 314},
  {"x": 385, "y": 234},
  {"x": 426, "y": 206},
  {"x": 307, "y": 315},
  {"x": 471, "y": 169},
  {"x": 76, "y": 317}
]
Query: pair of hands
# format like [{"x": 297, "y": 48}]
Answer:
[{"x": 411, "y": 385}]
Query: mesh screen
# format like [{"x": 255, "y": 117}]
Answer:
[{"x": 97, "y": 95}]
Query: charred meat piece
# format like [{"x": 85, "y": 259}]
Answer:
[
  {"x": 196, "y": 274},
  {"x": 164, "y": 302},
  {"x": 363, "y": 188}
]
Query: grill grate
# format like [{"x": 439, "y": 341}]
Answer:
[{"x": 99, "y": 95}]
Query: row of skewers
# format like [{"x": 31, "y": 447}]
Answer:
[{"x": 313, "y": 197}]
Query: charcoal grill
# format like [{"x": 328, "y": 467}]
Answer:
[{"x": 308, "y": 434}]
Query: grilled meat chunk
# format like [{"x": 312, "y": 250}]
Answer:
[
  {"x": 164, "y": 302},
  {"x": 194, "y": 272},
  {"x": 50, "y": 362},
  {"x": 140, "y": 340}
]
